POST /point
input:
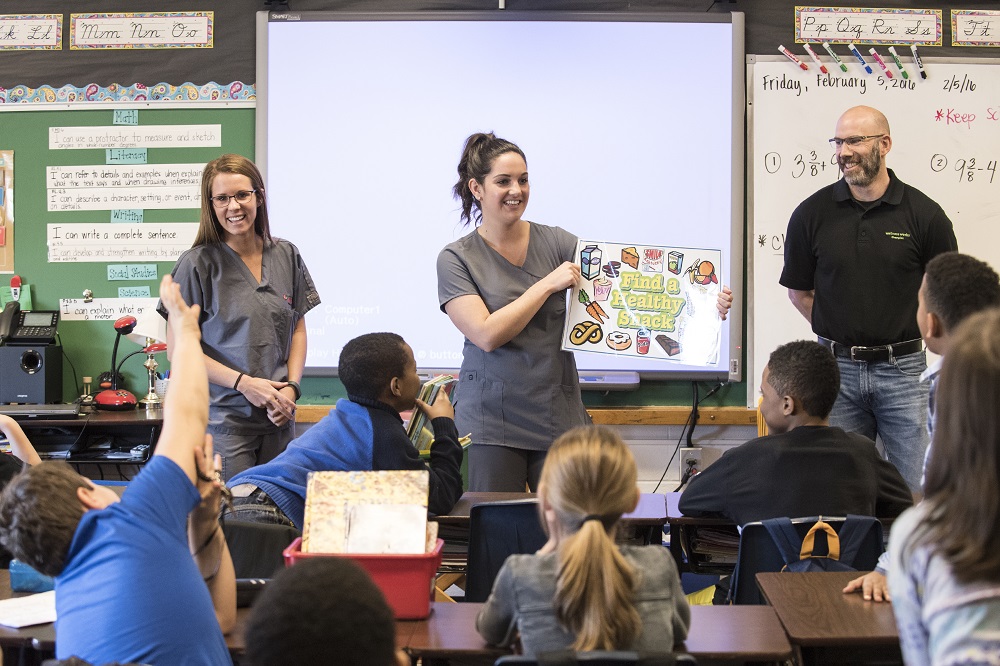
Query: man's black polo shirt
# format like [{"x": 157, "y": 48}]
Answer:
[{"x": 865, "y": 266}]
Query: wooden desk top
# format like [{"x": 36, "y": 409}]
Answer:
[
  {"x": 749, "y": 633},
  {"x": 737, "y": 633},
  {"x": 815, "y": 612},
  {"x": 651, "y": 511}
]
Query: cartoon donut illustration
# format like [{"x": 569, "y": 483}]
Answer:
[{"x": 619, "y": 340}]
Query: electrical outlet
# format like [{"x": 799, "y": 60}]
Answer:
[{"x": 691, "y": 458}]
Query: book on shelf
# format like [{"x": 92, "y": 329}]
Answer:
[{"x": 419, "y": 428}]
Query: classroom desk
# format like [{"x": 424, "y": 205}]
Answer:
[
  {"x": 681, "y": 529},
  {"x": 107, "y": 440},
  {"x": 650, "y": 514},
  {"x": 726, "y": 634},
  {"x": 828, "y": 626},
  {"x": 645, "y": 524},
  {"x": 719, "y": 634}
]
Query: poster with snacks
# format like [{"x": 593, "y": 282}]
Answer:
[{"x": 646, "y": 300}]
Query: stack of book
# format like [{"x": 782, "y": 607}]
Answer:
[{"x": 419, "y": 428}]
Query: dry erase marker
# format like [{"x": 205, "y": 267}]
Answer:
[
  {"x": 833, "y": 54},
  {"x": 899, "y": 63},
  {"x": 812, "y": 54},
  {"x": 861, "y": 58},
  {"x": 881, "y": 63},
  {"x": 791, "y": 56},
  {"x": 916, "y": 59}
]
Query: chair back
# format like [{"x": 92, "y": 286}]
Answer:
[
  {"x": 598, "y": 658},
  {"x": 759, "y": 553},
  {"x": 256, "y": 548},
  {"x": 496, "y": 530}
]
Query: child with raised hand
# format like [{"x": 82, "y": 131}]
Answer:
[
  {"x": 145, "y": 577},
  {"x": 581, "y": 591}
]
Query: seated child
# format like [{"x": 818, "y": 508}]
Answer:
[
  {"x": 146, "y": 577},
  {"x": 325, "y": 611},
  {"x": 581, "y": 591},
  {"x": 804, "y": 467},
  {"x": 363, "y": 433},
  {"x": 954, "y": 287},
  {"x": 944, "y": 554}
]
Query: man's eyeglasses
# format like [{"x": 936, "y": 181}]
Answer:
[
  {"x": 222, "y": 200},
  {"x": 851, "y": 141}
]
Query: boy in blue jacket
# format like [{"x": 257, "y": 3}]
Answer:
[{"x": 363, "y": 433}]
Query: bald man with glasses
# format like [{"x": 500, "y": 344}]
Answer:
[{"x": 855, "y": 253}]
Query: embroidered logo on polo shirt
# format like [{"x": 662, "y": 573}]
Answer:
[{"x": 897, "y": 235}]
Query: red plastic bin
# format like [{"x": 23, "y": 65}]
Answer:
[{"x": 407, "y": 581}]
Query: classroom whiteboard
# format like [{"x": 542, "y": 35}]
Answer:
[
  {"x": 362, "y": 119},
  {"x": 946, "y": 143}
]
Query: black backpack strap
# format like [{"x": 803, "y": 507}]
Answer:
[
  {"x": 785, "y": 538},
  {"x": 852, "y": 535}
]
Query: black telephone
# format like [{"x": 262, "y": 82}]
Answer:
[
  {"x": 28, "y": 327},
  {"x": 7, "y": 319}
]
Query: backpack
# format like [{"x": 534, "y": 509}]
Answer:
[{"x": 842, "y": 548}]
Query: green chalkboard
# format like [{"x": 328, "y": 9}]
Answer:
[{"x": 87, "y": 344}]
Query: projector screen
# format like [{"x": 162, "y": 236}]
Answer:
[{"x": 632, "y": 125}]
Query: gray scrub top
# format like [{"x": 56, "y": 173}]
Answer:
[
  {"x": 527, "y": 392},
  {"x": 245, "y": 326}
]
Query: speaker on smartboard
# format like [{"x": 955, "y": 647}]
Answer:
[{"x": 31, "y": 374}]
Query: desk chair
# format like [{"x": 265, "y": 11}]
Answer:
[
  {"x": 758, "y": 553},
  {"x": 496, "y": 530},
  {"x": 598, "y": 658},
  {"x": 257, "y": 548}
]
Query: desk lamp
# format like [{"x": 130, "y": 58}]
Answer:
[
  {"x": 149, "y": 333},
  {"x": 115, "y": 398}
]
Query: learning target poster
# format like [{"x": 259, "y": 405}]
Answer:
[{"x": 646, "y": 300}]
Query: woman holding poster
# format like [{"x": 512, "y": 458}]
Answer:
[
  {"x": 254, "y": 291},
  {"x": 504, "y": 287}
]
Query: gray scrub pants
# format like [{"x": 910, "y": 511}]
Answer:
[
  {"x": 504, "y": 469},
  {"x": 241, "y": 451}
]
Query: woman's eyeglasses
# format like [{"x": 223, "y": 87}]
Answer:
[{"x": 242, "y": 197}]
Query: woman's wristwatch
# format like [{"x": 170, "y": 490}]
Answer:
[{"x": 295, "y": 387}]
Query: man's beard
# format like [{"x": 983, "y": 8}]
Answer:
[{"x": 870, "y": 163}]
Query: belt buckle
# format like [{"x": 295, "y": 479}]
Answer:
[{"x": 859, "y": 353}]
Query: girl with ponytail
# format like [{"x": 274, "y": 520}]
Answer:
[{"x": 581, "y": 591}]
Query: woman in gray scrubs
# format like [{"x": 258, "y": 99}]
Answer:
[
  {"x": 504, "y": 287},
  {"x": 254, "y": 291}
]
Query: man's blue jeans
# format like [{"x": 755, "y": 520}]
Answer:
[{"x": 888, "y": 400}]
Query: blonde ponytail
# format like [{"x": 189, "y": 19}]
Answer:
[{"x": 589, "y": 480}]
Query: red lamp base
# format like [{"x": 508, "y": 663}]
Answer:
[{"x": 120, "y": 400}]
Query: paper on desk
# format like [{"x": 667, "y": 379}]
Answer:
[
  {"x": 26, "y": 611},
  {"x": 398, "y": 529}
]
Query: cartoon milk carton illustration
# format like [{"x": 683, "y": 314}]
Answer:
[{"x": 590, "y": 261}]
